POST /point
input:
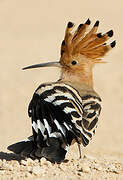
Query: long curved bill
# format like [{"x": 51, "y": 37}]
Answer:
[{"x": 48, "y": 64}]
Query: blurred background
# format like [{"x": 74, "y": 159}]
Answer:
[{"x": 31, "y": 32}]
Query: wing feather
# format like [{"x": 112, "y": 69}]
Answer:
[
  {"x": 57, "y": 110},
  {"x": 54, "y": 110},
  {"x": 91, "y": 112}
]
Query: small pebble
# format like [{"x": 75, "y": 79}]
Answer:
[
  {"x": 79, "y": 174},
  {"x": 63, "y": 168},
  {"x": 10, "y": 168},
  {"x": 22, "y": 167},
  {"x": 97, "y": 167},
  {"x": 24, "y": 162},
  {"x": 27, "y": 174},
  {"x": 36, "y": 170},
  {"x": 4, "y": 160},
  {"x": 43, "y": 161},
  {"x": 2, "y": 172},
  {"x": 29, "y": 168},
  {"x": 85, "y": 168},
  {"x": 36, "y": 161},
  {"x": 30, "y": 161}
]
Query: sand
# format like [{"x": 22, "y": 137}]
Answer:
[{"x": 31, "y": 32}]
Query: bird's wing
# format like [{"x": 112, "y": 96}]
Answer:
[
  {"x": 91, "y": 112},
  {"x": 54, "y": 110}
]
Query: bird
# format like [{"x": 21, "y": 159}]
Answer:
[{"x": 67, "y": 111}]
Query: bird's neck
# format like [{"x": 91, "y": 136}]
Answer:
[{"x": 81, "y": 78}]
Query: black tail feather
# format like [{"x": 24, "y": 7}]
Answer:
[
  {"x": 24, "y": 148},
  {"x": 54, "y": 152}
]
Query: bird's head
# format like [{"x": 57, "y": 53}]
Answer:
[{"x": 80, "y": 51}]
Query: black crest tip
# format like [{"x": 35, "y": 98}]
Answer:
[
  {"x": 110, "y": 33},
  {"x": 99, "y": 35},
  {"x": 79, "y": 27},
  {"x": 88, "y": 22},
  {"x": 63, "y": 43},
  {"x": 113, "y": 44},
  {"x": 96, "y": 24},
  {"x": 70, "y": 25}
]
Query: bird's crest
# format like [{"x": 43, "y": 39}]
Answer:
[{"x": 90, "y": 44}]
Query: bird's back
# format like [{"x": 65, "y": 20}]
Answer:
[{"x": 58, "y": 110}]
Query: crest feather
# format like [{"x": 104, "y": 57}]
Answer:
[{"x": 90, "y": 44}]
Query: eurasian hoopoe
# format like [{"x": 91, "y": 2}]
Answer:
[{"x": 67, "y": 111}]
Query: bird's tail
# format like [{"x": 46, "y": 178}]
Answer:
[
  {"x": 24, "y": 147},
  {"x": 52, "y": 152}
]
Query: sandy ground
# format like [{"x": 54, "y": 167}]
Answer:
[{"x": 31, "y": 32}]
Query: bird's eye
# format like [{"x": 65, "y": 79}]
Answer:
[{"x": 74, "y": 62}]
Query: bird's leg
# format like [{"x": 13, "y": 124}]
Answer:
[{"x": 80, "y": 154}]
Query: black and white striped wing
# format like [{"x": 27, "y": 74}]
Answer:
[
  {"x": 91, "y": 112},
  {"x": 54, "y": 110}
]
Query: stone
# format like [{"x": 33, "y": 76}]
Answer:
[
  {"x": 97, "y": 167},
  {"x": 30, "y": 161},
  {"x": 23, "y": 162},
  {"x": 85, "y": 168},
  {"x": 36, "y": 170}
]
